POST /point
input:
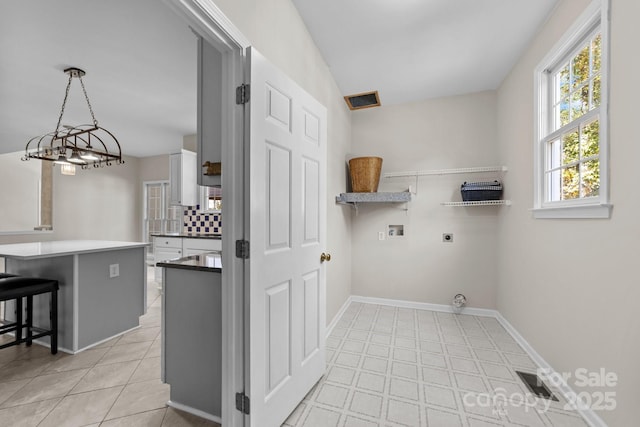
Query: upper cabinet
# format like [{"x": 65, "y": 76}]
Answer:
[
  {"x": 183, "y": 190},
  {"x": 210, "y": 101}
]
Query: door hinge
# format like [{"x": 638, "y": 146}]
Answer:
[
  {"x": 242, "y": 249},
  {"x": 242, "y": 403},
  {"x": 242, "y": 94}
]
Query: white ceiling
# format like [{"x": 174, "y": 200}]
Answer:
[
  {"x": 140, "y": 59},
  {"x": 410, "y": 50}
]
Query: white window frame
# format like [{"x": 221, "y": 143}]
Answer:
[
  {"x": 168, "y": 225},
  {"x": 204, "y": 201},
  {"x": 591, "y": 207}
]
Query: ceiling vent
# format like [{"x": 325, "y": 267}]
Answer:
[{"x": 363, "y": 100}]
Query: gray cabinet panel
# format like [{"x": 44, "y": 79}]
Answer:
[
  {"x": 192, "y": 336},
  {"x": 210, "y": 100},
  {"x": 109, "y": 305}
]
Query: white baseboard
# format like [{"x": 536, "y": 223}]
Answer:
[
  {"x": 484, "y": 312},
  {"x": 338, "y": 315},
  {"x": 589, "y": 416},
  {"x": 194, "y": 411},
  {"x": 119, "y": 334}
]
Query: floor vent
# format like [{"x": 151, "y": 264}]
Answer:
[
  {"x": 363, "y": 100},
  {"x": 536, "y": 386}
]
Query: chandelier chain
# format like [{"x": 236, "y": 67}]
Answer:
[
  {"x": 93, "y": 116},
  {"x": 64, "y": 103}
]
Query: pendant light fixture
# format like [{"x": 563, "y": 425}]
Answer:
[
  {"x": 68, "y": 169},
  {"x": 85, "y": 145}
]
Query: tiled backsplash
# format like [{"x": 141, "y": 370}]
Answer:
[{"x": 196, "y": 221}]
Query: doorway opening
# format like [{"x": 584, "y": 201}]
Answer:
[{"x": 160, "y": 217}]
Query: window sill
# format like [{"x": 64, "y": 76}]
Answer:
[{"x": 574, "y": 212}]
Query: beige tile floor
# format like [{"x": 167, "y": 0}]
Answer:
[{"x": 114, "y": 384}]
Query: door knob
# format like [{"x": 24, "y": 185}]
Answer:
[{"x": 325, "y": 257}]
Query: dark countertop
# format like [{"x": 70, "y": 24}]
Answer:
[
  {"x": 189, "y": 235},
  {"x": 209, "y": 261}
]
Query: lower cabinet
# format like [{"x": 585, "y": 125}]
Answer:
[
  {"x": 164, "y": 254},
  {"x": 166, "y": 248},
  {"x": 198, "y": 246},
  {"x": 191, "y": 340}
]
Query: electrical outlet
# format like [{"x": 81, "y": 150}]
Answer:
[
  {"x": 380, "y": 235},
  {"x": 447, "y": 237},
  {"x": 114, "y": 270}
]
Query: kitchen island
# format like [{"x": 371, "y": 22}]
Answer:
[
  {"x": 192, "y": 333},
  {"x": 102, "y": 286}
]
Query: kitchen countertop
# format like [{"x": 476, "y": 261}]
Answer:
[
  {"x": 35, "y": 250},
  {"x": 209, "y": 261},
  {"x": 189, "y": 235}
]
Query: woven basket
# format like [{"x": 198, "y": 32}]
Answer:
[{"x": 365, "y": 174}]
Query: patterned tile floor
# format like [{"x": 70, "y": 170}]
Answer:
[{"x": 393, "y": 367}]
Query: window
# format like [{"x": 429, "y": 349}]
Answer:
[
  {"x": 159, "y": 215},
  {"x": 571, "y": 152},
  {"x": 211, "y": 199}
]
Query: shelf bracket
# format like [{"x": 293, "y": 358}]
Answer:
[{"x": 415, "y": 192}]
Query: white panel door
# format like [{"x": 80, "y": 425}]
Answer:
[{"x": 287, "y": 217}]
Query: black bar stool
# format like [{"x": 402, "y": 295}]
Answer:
[{"x": 14, "y": 287}]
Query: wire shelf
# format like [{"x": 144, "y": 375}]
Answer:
[
  {"x": 445, "y": 171},
  {"x": 479, "y": 203}
]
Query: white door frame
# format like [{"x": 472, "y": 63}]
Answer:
[{"x": 208, "y": 21}]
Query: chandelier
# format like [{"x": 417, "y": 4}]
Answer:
[{"x": 70, "y": 146}]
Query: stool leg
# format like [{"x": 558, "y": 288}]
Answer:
[
  {"x": 18, "y": 320},
  {"x": 54, "y": 321},
  {"x": 29, "y": 319}
]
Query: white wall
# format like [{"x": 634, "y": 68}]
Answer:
[
  {"x": 101, "y": 203},
  {"x": 571, "y": 287},
  {"x": 441, "y": 133},
  {"x": 155, "y": 168},
  {"x": 20, "y": 192},
  {"x": 275, "y": 28}
]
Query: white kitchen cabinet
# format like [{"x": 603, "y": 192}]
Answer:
[
  {"x": 164, "y": 254},
  {"x": 210, "y": 100},
  {"x": 165, "y": 248},
  {"x": 198, "y": 246},
  {"x": 183, "y": 188}
]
